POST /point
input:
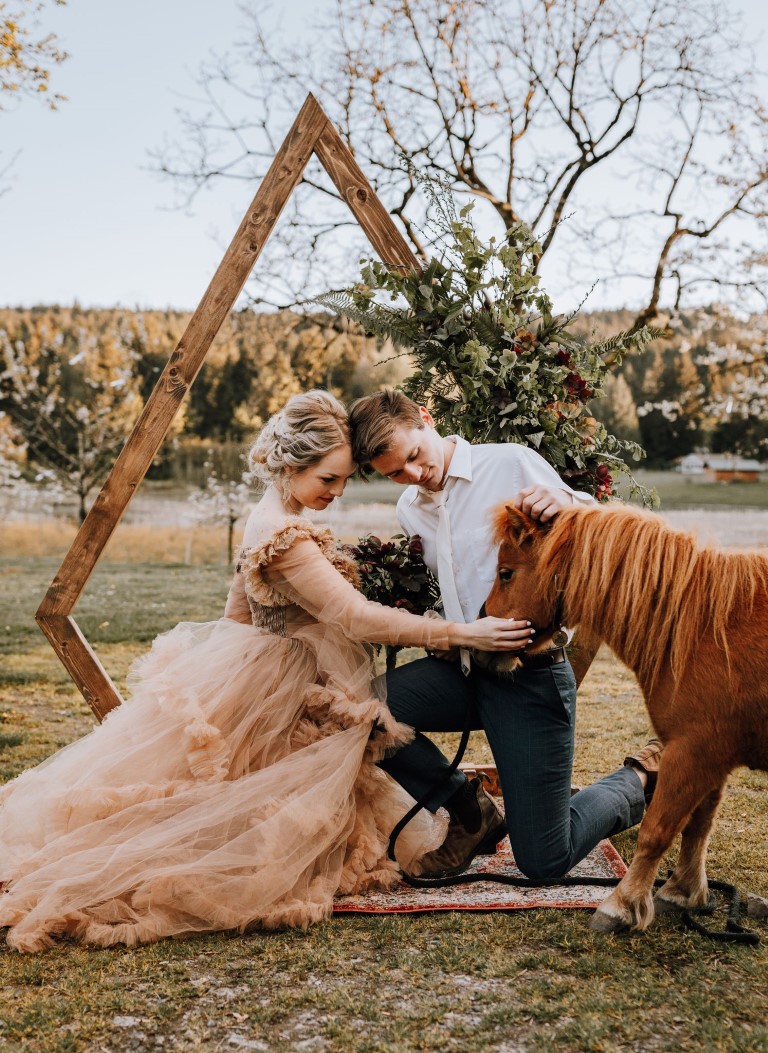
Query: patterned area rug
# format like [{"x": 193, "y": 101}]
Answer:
[{"x": 604, "y": 862}]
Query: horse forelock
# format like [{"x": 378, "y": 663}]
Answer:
[
  {"x": 500, "y": 523},
  {"x": 510, "y": 524},
  {"x": 650, "y": 591}
]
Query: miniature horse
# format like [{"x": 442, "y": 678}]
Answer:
[{"x": 691, "y": 622}]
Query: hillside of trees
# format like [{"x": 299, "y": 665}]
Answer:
[
  {"x": 73, "y": 381},
  {"x": 706, "y": 387}
]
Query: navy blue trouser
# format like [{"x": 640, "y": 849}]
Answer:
[{"x": 530, "y": 723}]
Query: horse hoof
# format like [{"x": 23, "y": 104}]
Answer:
[
  {"x": 601, "y": 921},
  {"x": 757, "y": 906}
]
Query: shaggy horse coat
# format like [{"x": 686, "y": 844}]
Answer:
[{"x": 691, "y": 622}]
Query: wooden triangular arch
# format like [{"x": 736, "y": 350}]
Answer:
[{"x": 312, "y": 132}]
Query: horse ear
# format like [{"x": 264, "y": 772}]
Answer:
[{"x": 510, "y": 524}]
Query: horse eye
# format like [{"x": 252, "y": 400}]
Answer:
[{"x": 505, "y": 574}]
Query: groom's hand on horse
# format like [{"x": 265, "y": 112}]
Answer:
[{"x": 542, "y": 502}]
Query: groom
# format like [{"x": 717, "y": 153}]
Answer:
[{"x": 452, "y": 487}]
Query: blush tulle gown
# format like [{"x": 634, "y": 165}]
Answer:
[{"x": 237, "y": 787}]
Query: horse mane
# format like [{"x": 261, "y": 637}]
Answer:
[{"x": 650, "y": 590}]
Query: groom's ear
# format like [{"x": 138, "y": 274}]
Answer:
[{"x": 426, "y": 416}]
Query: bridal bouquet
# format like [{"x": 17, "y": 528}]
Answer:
[{"x": 394, "y": 573}]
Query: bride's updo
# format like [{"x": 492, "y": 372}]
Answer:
[{"x": 307, "y": 428}]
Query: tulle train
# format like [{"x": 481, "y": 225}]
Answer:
[{"x": 237, "y": 788}]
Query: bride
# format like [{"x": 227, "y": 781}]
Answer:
[{"x": 237, "y": 787}]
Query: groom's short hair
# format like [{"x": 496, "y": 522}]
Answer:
[{"x": 373, "y": 420}]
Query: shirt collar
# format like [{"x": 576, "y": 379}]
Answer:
[
  {"x": 459, "y": 468},
  {"x": 461, "y": 462}
]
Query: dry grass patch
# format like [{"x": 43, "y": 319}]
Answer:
[{"x": 130, "y": 543}]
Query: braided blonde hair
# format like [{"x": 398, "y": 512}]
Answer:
[{"x": 307, "y": 428}]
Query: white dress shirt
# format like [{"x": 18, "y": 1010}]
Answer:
[{"x": 478, "y": 479}]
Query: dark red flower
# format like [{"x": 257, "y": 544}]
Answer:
[{"x": 578, "y": 387}]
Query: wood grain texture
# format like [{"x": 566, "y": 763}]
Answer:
[
  {"x": 87, "y": 672},
  {"x": 339, "y": 162}
]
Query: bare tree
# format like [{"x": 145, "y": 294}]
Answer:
[
  {"x": 222, "y": 502},
  {"x": 641, "y": 117}
]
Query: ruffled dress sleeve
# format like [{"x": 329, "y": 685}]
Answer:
[{"x": 302, "y": 565}]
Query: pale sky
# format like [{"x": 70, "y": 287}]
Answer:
[{"x": 85, "y": 218}]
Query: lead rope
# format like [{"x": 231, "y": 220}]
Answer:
[{"x": 733, "y": 932}]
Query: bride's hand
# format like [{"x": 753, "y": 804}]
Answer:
[{"x": 495, "y": 634}]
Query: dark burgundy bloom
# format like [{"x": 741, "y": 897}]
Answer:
[
  {"x": 563, "y": 358},
  {"x": 578, "y": 387}
]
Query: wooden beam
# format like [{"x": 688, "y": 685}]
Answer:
[
  {"x": 339, "y": 162},
  {"x": 184, "y": 364},
  {"x": 77, "y": 656}
]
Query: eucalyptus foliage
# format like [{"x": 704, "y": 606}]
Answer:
[{"x": 491, "y": 359}]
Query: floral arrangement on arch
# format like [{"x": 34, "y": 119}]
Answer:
[{"x": 492, "y": 361}]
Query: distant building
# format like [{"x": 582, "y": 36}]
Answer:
[{"x": 722, "y": 467}]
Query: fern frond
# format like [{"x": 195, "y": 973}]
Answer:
[
  {"x": 636, "y": 336},
  {"x": 489, "y": 332},
  {"x": 376, "y": 319}
]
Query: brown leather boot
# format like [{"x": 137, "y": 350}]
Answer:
[
  {"x": 647, "y": 759},
  {"x": 460, "y": 846}
]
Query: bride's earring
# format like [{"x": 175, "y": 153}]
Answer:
[{"x": 289, "y": 500}]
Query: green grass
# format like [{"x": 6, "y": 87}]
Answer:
[
  {"x": 530, "y": 981},
  {"x": 678, "y": 491},
  {"x": 121, "y": 602}
]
